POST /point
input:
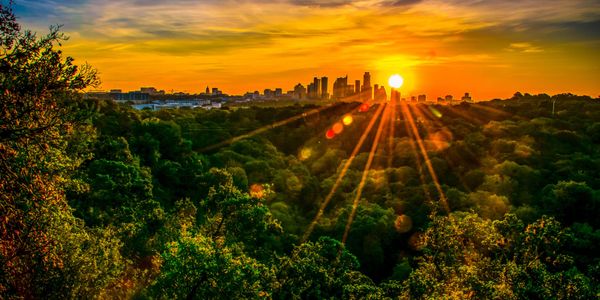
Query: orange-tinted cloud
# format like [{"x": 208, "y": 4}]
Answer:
[{"x": 488, "y": 48}]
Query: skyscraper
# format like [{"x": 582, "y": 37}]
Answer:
[
  {"x": 316, "y": 88},
  {"x": 324, "y": 87},
  {"x": 339, "y": 87},
  {"x": 357, "y": 87},
  {"x": 367, "y": 90}
]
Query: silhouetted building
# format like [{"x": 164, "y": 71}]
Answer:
[
  {"x": 299, "y": 91},
  {"x": 131, "y": 96},
  {"x": 366, "y": 90},
  {"x": 269, "y": 93},
  {"x": 413, "y": 98},
  {"x": 357, "y": 87},
  {"x": 395, "y": 95},
  {"x": 324, "y": 88},
  {"x": 278, "y": 92},
  {"x": 422, "y": 98},
  {"x": 340, "y": 87},
  {"x": 448, "y": 98},
  {"x": 314, "y": 89},
  {"x": 379, "y": 93},
  {"x": 207, "y": 90},
  {"x": 467, "y": 98},
  {"x": 216, "y": 91}
]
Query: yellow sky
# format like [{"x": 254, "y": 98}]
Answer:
[{"x": 488, "y": 48}]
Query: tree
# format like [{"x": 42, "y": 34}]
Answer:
[{"x": 43, "y": 248}]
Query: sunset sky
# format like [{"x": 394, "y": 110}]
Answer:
[{"x": 489, "y": 48}]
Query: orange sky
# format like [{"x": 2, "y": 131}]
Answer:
[{"x": 489, "y": 48}]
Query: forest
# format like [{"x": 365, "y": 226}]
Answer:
[{"x": 487, "y": 200}]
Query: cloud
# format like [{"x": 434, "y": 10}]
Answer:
[{"x": 524, "y": 47}]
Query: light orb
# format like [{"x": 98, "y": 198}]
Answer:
[
  {"x": 347, "y": 120},
  {"x": 396, "y": 81}
]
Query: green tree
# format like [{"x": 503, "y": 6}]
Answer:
[{"x": 44, "y": 250}]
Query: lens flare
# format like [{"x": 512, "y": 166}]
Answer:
[
  {"x": 330, "y": 134},
  {"x": 337, "y": 128},
  {"x": 363, "y": 107},
  {"x": 347, "y": 120}
]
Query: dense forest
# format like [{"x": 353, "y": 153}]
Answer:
[{"x": 489, "y": 200}]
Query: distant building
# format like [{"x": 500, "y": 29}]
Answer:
[
  {"x": 207, "y": 90},
  {"x": 340, "y": 87},
  {"x": 269, "y": 93},
  {"x": 299, "y": 92},
  {"x": 422, "y": 98},
  {"x": 379, "y": 93},
  {"x": 413, "y": 98},
  {"x": 448, "y": 98},
  {"x": 278, "y": 92},
  {"x": 440, "y": 99},
  {"x": 135, "y": 96},
  {"x": 467, "y": 98},
  {"x": 324, "y": 88},
  {"x": 316, "y": 88},
  {"x": 366, "y": 90},
  {"x": 396, "y": 95},
  {"x": 216, "y": 91},
  {"x": 357, "y": 87}
]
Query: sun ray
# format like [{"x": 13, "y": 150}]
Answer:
[
  {"x": 365, "y": 174},
  {"x": 345, "y": 168},
  {"x": 428, "y": 114},
  {"x": 413, "y": 147},
  {"x": 428, "y": 164},
  {"x": 265, "y": 128},
  {"x": 392, "y": 133}
]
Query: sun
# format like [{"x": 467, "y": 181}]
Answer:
[{"x": 396, "y": 81}]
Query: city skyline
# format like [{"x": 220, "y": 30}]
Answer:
[{"x": 490, "y": 48}]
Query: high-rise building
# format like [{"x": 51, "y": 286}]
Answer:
[
  {"x": 448, "y": 98},
  {"x": 278, "y": 92},
  {"x": 413, "y": 98},
  {"x": 339, "y": 87},
  {"x": 316, "y": 93},
  {"x": 207, "y": 90},
  {"x": 299, "y": 91},
  {"x": 366, "y": 90},
  {"x": 379, "y": 93},
  {"x": 357, "y": 87},
  {"x": 324, "y": 88},
  {"x": 422, "y": 98}
]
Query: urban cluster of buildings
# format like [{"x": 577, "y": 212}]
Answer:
[
  {"x": 151, "y": 98},
  {"x": 318, "y": 89}
]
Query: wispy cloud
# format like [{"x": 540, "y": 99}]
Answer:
[{"x": 224, "y": 40}]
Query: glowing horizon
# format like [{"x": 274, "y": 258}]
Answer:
[{"x": 488, "y": 48}]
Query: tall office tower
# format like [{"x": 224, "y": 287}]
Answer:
[
  {"x": 317, "y": 88},
  {"x": 367, "y": 90},
  {"x": 339, "y": 87},
  {"x": 324, "y": 87},
  {"x": 367, "y": 80},
  {"x": 310, "y": 90},
  {"x": 207, "y": 90}
]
